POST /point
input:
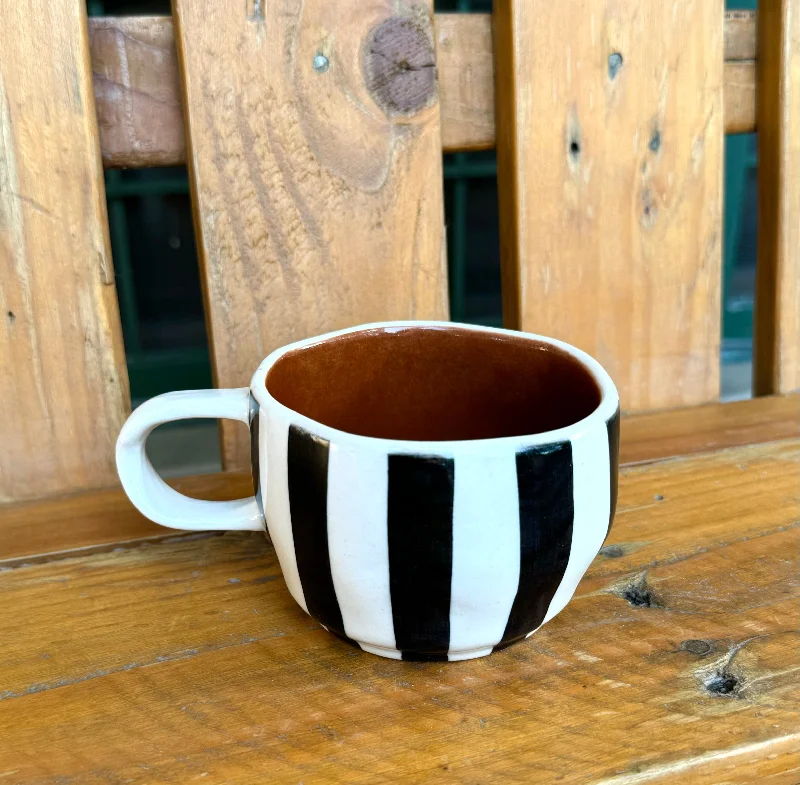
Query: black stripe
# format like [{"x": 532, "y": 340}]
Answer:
[
  {"x": 613, "y": 459},
  {"x": 308, "y": 505},
  {"x": 546, "y": 510},
  {"x": 420, "y": 521},
  {"x": 411, "y": 656}
]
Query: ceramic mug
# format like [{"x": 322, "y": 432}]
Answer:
[{"x": 433, "y": 491}]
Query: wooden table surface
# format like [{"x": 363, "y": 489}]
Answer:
[{"x": 186, "y": 660}]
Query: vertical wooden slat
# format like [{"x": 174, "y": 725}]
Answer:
[
  {"x": 776, "y": 355},
  {"x": 317, "y": 191},
  {"x": 610, "y": 136},
  {"x": 63, "y": 384}
]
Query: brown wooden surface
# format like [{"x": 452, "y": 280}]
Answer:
[
  {"x": 328, "y": 215},
  {"x": 740, "y": 98},
  {"x": 101, "y": 520},
  {"x": 138, "y": 89},
  {"x": 776, "y": 356},
  {"x": 465, "y": 60},
  {"x": 63, "y": 383},
  {"x": 741, "y": 39},
  {"x": 189, "y": 661},
  {"x": 678, "y": 432},
  {"x": 610, "y": 214}
]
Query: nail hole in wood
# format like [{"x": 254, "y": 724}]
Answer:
[
  {"x": 11, "y": 317},
  {"x": 649, "y": 209},
  {"x": 614, "y": 64},
  {"x": 655, "y": 141},
  {"x": 574, "y": 148}
]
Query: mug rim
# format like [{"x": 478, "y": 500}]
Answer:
[{"x": 605, "y": 410}]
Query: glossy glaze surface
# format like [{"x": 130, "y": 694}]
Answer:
[
  {"x": 434, "y": 384},
  {"x": 460, "y": 539}
]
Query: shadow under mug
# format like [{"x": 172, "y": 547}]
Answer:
[{"x": 433, "y": 491}]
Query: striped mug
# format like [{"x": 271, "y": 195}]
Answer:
[{"x": 433, "y": 491}]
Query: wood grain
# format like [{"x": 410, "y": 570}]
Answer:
[
  {"x": 776, "y": 357},
  {"x": 189, "y": 660},
  {"x": 139, "y": 104},
  {"x": 137, "y": 91},
  {"x": 104, "y": 519},
  {"x": 740, "y": 98},
  {"x": 63, "y": 383},
  {"x": 741, "y": 39},
  {"x": 328, "y": 215},
  {"x": 99, "y": 520},
  {"x": 655, "y": 436},
  {"x": 465, "y": 59},
  {"x": 610, "y": 214}
]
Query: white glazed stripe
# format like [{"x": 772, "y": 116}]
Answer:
[
  {"x": 591, "y": 494},
  {"x": 275, "y": 431},
  {"x": 358, "y": 544},
  {"x": 486, "y": 541}
]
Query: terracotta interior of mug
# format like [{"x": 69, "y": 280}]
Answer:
[{"x": 434, "y": 384}]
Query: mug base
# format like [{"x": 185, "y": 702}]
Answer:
[{"x": 410, "y": 656}]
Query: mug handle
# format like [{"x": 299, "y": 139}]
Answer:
[{"x": 151, "y": 495}]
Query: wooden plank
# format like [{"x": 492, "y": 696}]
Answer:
[
  {"x": 741, "y": 40},
  {"x": 190, "y": 660},
  {"x": 740, "y": 98},
  {"x": 137, "y": 89},
  {"x": 655, "y": 436},
  {"x": 64, "y": 390},
  {"x": 139, "y": 105},
  {"x": 331, "y": 213},
  {"x": 102, "y": 520},
  {"x": 776, "y": 356},
  {"x": 465, "y": 59},
  {"x": 99, "y": 520},
  {"x": 610, "y": 213}
]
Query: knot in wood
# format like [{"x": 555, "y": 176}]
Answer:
[
  {"x": 400, "y": 65},
  {"x": 698, "y": 647}
]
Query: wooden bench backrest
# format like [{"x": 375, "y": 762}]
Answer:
[{"x": 315, "y": 134}]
